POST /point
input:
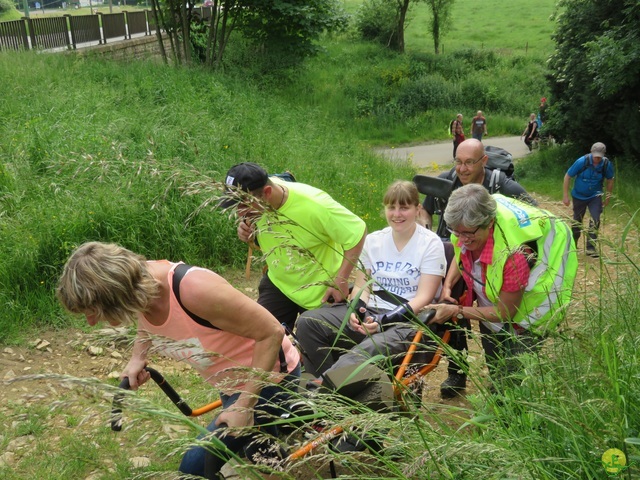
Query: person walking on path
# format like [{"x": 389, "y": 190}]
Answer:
[
  {"x": 531, "y": 132},
  {"x": 458, "y": 133},
  {"x": 478, "y": 126},
  {"x": 591, "y": 173},
  {"x": 311, "y": 242}
]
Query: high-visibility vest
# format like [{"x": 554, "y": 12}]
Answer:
[{"x": 548, "y": 291}]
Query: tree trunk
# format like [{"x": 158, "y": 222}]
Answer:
[
  {"x": 436, "y": 32},
  {"x": 399, "y": 44},
  {"x": 154, "y": 11}
]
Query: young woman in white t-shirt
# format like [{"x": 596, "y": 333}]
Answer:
[{"x": 402, "y": 267}]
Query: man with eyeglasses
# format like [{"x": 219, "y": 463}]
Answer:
[{"x": 469, "y": 167}]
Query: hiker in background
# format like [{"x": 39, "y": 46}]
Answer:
[
  {"x": 531, "y": 133},
  {"x": 470, "y": 167},
  {"x": 542, "y": 111},
  {"x": 478, "y": 126},
  {"x": 457, "y": 131},
  {"x": 195, "y": 316},
  {"x": 407, "y": 265},
  {"x": 310, "y": 241},
  {"x": 590, "y": 171},
  {"x": 518, "y": 263}
]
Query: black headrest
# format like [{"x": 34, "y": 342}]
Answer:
[{"x": 433, "y": 186}]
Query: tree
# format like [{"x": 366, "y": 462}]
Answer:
[
  {"x": 383, "y": 21},
  {"x": 440, "y": 20},
  {"x": 6, "y": 6},
  {"x": 595, "y": 74},
  {"x": 289, "y": 27}
]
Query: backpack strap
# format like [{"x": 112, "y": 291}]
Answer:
[
  {"x": 588, "y": 162},
  {"x": 178, "y": 274},
  {"x": 496, "y": 180}
]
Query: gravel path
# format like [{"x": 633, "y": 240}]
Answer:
[{"x": 442, "y": 153}]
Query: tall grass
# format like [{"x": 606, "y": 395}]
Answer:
[
  {"x": 390, "y": 99},
  {"x": 96, "y": 150},
  {"x": 572, "y": 401},
  {"x": 93, "y": 150}
]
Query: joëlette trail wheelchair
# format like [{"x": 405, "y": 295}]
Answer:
[{"x": 363, "y": 385}]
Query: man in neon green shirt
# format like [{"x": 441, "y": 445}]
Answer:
[{"x": 311, "y": 242}]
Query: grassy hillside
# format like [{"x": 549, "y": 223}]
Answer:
[
  {"x": 494, "y": 60},
  {"x": 510, "y": 27},
  {"x": 105, "y": 151}
]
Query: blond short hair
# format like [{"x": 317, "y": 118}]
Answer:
[
  {"x": 108, "y": 281},
  {"x": 402, "y": 192}
]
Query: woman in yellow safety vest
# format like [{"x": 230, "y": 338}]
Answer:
[{"x": 518, "y": 263}]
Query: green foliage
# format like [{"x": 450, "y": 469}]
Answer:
[
  {"x": 440, "y": 20},
  {"x": 6, "y": 6},
  {"x": 393, "y": 99},
  {"x": 376, "y": 21},
  {"x": 289, "y": 27},
  {"x": 595, "y": 74},
  {"x": 129, "y": 154}
]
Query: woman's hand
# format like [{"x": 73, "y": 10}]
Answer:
[
  {"x": 364, "y": 327},
  {"x": 236, "y": 417},
  {"x": 444, "y": 312},
  {"x": 136, "y": 373}
]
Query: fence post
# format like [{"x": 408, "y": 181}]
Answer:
[
  {"x": 67, "y": 24},
  {"x": 32, "y": 32},
  {"x": 25, "y": 37},
  {"x": 72, "y": 30},
  {"x": 127, "y": 33},
  {"x": 103, "y": 37}
]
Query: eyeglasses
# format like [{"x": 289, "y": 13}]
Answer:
[
  {"x": 468, "y": 164},
  {"x": 463, "y": 234}
]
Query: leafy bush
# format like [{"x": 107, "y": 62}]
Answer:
[
  {"x": 376, "y": 21},
  {"x": 6, "y": 6}
]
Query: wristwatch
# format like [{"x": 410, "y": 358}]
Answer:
[{"x": 460, "y": 315}]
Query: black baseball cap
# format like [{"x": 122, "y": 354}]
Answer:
[{"x": 247, "y": 176}]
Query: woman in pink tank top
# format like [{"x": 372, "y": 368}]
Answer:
[{"x": 234, "y": 343}]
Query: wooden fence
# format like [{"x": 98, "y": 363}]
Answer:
[{"x": 71, "y": 32}]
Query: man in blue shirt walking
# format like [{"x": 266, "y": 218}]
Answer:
[{"x": 590, "y": 172}]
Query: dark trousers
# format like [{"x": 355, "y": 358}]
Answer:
[
  {"x": 328, "y": 343},
  {"x": 202, "y": 462},
  {"x": 277, "y": 303},
  {"x": 579, "y": 209},
  {"x": 458, "y": 139},
  {"x": 458, "y": 338},
  {"x": 502, "y": 348}
]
